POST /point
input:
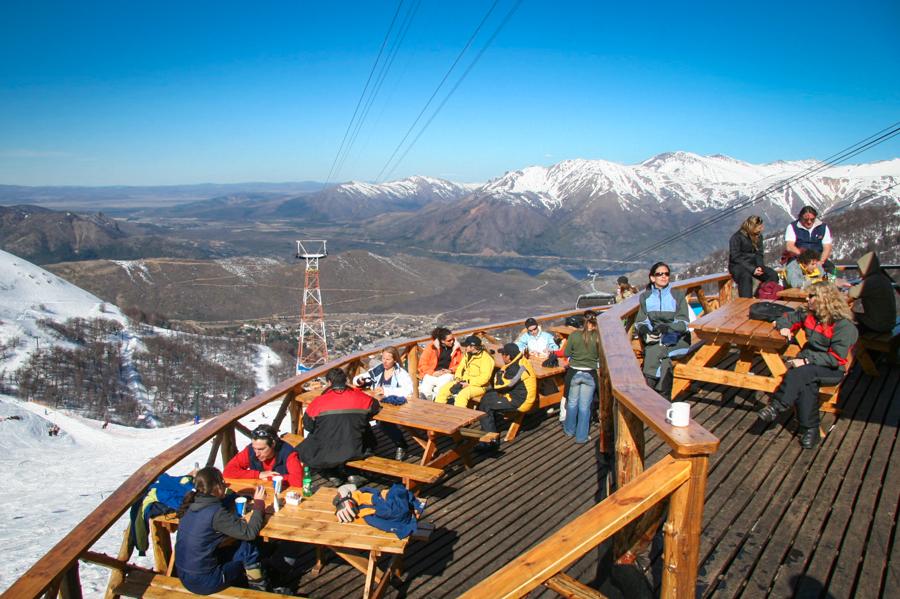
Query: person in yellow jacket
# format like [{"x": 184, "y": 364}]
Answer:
[
  {"x": 472, "y": 375},
  {"x": 515, "y": 389}
]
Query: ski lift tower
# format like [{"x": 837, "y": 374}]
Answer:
[{"x": 312, "y": 349}]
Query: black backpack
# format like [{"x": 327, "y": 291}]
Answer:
[{"x": 768, "y": 311}]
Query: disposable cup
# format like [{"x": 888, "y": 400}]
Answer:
[
  {"x": 276, "y": 483},
  {"x": 239, "y": 504}
]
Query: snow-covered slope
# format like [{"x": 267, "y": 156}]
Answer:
[{"x": 29, "y": 293}]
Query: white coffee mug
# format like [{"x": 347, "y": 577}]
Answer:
[{"x": 679, "y": 414}]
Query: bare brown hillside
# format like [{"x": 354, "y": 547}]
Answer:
[{"x": 357, "y": 281}]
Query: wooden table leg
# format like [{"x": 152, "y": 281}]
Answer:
[
  {"x": 428, "y": 449},
  {"x": 775, "y": 363},
  {"x": 370, "y": 574},
  {"x": 745, "y": 361},
  {"x": 162, "y": 546},
  {"x": 386, "y": 576},
  {"x": 701, "y": 357},
  {"x": 320, "y": 561}
]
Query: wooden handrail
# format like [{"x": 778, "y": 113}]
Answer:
[
  {"x": 567, "y": 545},
  {"x": 626, "y": 383}
]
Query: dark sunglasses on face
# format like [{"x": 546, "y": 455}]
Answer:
[{"x": 660, "y": 274}]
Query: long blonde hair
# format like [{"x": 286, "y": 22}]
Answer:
[
  {"x": 751, "y": 228},
  {"x": 831, "y": 305}
]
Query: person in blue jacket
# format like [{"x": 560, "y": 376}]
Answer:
[
  {"x": 206, "y": 519},
  {"x": 662, "y": 324}
]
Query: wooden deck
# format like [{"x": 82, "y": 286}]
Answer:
[{"x": 779, "y": 521}]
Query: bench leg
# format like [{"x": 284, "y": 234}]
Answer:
[
  {"x": 162, "y": 546},
  {"x": 515, "y": 422},
  {"x": 865, "y": 360}
]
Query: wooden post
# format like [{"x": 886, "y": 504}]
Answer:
[
  {"x": 283, "y": 408},
  {"x": 681, "y": 532},
  {"x": 229, "y": 445},
  {"x": 629, "y": 465},
  {"x": 117, "y": 576},
  {"x": 606, "y": 412},
  {"x": 216, "y": 442},
  {"x": 70, "y": 585},
  {"x": 725, "y": 290},
  {"x": 161, "y": 541},
  {"x": 412, "y": 366},
  {"x": 296, "y": 417}
]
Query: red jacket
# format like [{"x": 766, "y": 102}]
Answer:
[
  {"x": 429, "y": 358},
  {"x": 239, "y": 467}
]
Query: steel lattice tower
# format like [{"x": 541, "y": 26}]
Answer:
[{"x": 312, "y": 350}]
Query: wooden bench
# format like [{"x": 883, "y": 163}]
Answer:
[
  {"x": 134, "y": 581},
  {"x": 410, "y": 474},
  {"x": 478, "y": 435},
  {"x": 884, "y": 343}
]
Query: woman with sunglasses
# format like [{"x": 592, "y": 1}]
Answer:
[
  {"x": 830, "y": 334},
  {"x": 662, "y": 323}
]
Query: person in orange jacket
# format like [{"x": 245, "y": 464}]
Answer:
[{"x": 438, "y": 361}]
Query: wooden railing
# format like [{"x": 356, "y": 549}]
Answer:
[
  {"x": 625, "y": 401},
  {"x": 631, "y": 515},
  {"x": 56, "y": 573}
]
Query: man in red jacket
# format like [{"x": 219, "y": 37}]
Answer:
[{"x": 265, "y": 457}]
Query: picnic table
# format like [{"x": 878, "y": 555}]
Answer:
[
  {"x": 313, "y": 522},
  {"x": 731, "y": 326},
  {"x": 793, "y": 294},
  {"x": 426, "y": 422},
  {"x": 563, "y": 330}
]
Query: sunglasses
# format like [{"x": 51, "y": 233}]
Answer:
[
  {"x": 660, "y": 274},
  {"x": 262, "y": 433}
]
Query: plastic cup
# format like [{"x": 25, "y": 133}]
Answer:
[
  {"x": 276, "y": 483},
  {"x": 239, "y": 504}
]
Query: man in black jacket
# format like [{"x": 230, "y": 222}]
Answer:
[{"x": 338, "y": 426}]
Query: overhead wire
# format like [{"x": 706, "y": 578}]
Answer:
[
  {"x": 438, "y": 88},
  {"x": 481, "y": 52},
  {"x": 382, "y": 75},
  {"x": 362, "y": 95}
]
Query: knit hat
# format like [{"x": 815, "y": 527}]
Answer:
[
  {"x": 471, "y": 341},
  {"x": 510, "y": 350}
]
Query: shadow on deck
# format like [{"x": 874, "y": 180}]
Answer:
[{"x": 778, "y": 520}]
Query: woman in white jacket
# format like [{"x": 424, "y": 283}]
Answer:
[{"x": 389, "y": 378}]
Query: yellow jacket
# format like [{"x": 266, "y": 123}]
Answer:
[
  {"x": 527, "y": 393},
  {"x": 476, "y": 369}
]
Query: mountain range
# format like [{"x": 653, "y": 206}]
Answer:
[{"x": 576, "y": 208}]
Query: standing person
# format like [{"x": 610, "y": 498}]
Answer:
[
  {"x": 875, "y": 307},
  {"x": 537, "y": 341},
  {"x": 804, "y": 271},
  {"x": 583, "y": 351},
  {"x": 624, "y": 289},
  {"x": 438, "y": 362},
  {"x": 515, "y": 389},
  {"x": 338, "y": 425},
  {"x": 265, "y": 457},
  {"x": 745, "y": 257},
  {"x": 389, "y": 378},
  {"x": 472, "y": 375},
  {"x": 662, "y": 323},
  {"x": 206, "y": 519},
  {"x": 830, "y": 335},
  {"x": 809, "y": 233}
]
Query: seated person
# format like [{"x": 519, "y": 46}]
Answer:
[
  {"x": 662, "y": 322},
  {"x": 206, "y": 518},
  {"x": 338, "y": 426},
  {"x": 804, "y": 271},
  {"x": 386, "y": 379},
  {"x": 265, "y": 457},
  {"x": 875, "y": 306},
  {"x": 515, "y": 389},
  {"x": 624, "y": 289},
  {"x": 745, "y": 257},
  {"x": 472, "y": 375},
  {"x": 536, "y": 341},
  {"x": 438, "y": 361},
  {"x": 823, "y": 360}
]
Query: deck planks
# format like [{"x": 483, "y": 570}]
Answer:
[{"x": 779, "y": 521}]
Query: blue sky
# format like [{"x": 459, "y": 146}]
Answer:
[{"x": 99, "y": 93}]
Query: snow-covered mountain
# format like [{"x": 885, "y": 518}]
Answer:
[{"x": 605, "y": 209}]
